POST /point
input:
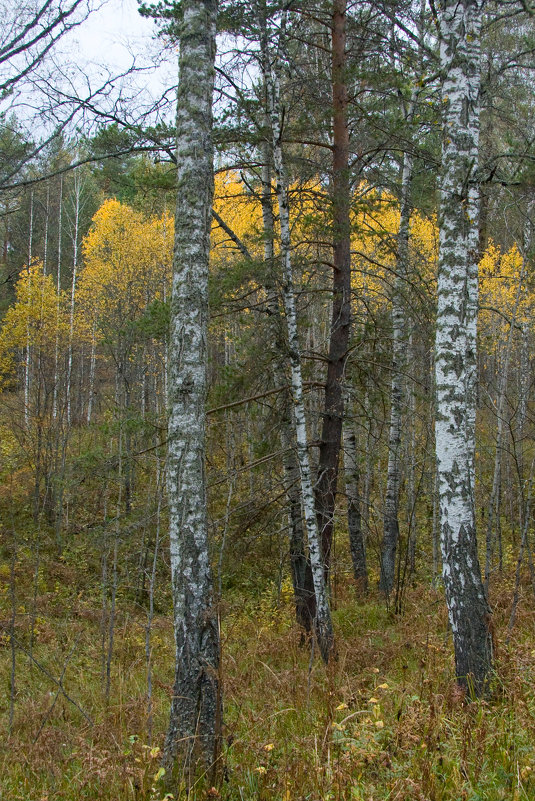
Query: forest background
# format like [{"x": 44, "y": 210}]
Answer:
[{"x": 87, "y": 225}]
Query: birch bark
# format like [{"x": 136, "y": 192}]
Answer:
[
  {"x": 322, "y": 623},
  {"x": 78, "y": 180},
  {"x": 391, "y": 519},
  {"x": 27, "y": 361},
  {"x": 469, "y": 613},
  {"x": 195, "y": 720},
  {"x": 357, "y": 545},
  {"x": 303, "y": 590},
  {"x": 493, "y": 532},
  {"x": 58, "y": 290}
]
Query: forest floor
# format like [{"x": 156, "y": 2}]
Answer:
[{"x": 384, "y": 721}]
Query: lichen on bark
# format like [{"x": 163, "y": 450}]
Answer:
[
  {"x": 469, "y": 613},
  {"x": 194, "y": 728}
]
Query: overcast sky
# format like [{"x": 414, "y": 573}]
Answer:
[
  {"x": 113, "y": 32},
  {"x": 100, "y": 48}
]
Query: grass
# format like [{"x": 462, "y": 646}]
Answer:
[{"x": 384, "y": 721}]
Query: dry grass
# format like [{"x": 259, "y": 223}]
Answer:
[{"x": 384, "y": 721}]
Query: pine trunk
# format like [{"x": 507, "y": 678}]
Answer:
[{"x": 333, "y": 410}]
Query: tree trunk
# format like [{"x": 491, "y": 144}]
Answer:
[
  {"x": 58, "y": 290},
  {"x": 412, "y": 494},
  {"x": 195, "y": 722},
  {"x": 391, "y": 519},
  {"x": 469, "y": 613},
  {"x": 305, "y": 601},
  {"x": 92, "y": 366},
  {"x": 28, "y": 358},
  {"x": 493, "y": 532},
  {"x": 322, "y": 622},
  {"x": 357, "y": 544},
  {"x": 333, "y": 410},
  {"x": 75, "y": 234}
]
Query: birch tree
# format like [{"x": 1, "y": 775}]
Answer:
[
  {"x": 322, "y": 623},
  {"x": 469, "y": 614},
  {"x": 391, "y": 521},
  {"x": 357, "y": 544},
  {"x": 305, "y": 607},
  {"x": 194, "y": 727}
]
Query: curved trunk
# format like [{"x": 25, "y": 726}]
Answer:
[
  {"x": 305, "y": 607},
  {"x": 322, "y": 622}
]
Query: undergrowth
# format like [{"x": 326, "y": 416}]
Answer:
[{"x": 384, "y": 721}]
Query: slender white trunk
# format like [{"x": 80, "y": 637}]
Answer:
[
  {"x": 357, "y": 544},
  {"x": 369, "y": 464},
  {"x": 92, "y": 366},
  {"x": 58, "y": 291},
  {"x": 75, "y": 231},
  {"x": 411, "y": 465},
  {"x": 304, "y": 596},
  {"x": 323, "y": 623},
  {"x": 493, "y": 516},
  {"x": 391, "y": 518},
  {"x": 45, "y": 248},
  {"x": 27, "y": 361}
]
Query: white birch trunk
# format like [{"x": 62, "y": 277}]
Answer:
[
  {"x": 323, "y": 623},
  {"x": 27, "y": 361},
  {"x": 92, "y": 365},
  {"x": 393, "y": 480},
  {"x": 47, "y": 215},
  {"x": 411, "y": 462},
  {"x": 195, "y": 720},
  {"x": 304, "y": 597},
  {"x": 76, "y": 225},
  {"x": 369, "y": 463},
  {"x": 460, "y": 27},
  {"x": 493, "y": 516},
  {"x": 357, "y": 545},
  {"x": 58, "y": 290}
]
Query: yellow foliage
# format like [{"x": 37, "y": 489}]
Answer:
[
  {"x": 374, "y": 220},
  {"x": 503, "y": 290},
  {"x": 241, "y": 211},
  {"x": 36, "y": 319},
  {"x": 375, "y": 225},
  {"x": 127, "y": 266},
  {"x": 9, "y": 450}
]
